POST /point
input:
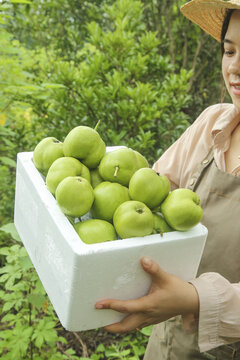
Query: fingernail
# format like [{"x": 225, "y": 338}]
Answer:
[
  {"x": 99, "y": 306},
  {"x": 147, "y": 262}
]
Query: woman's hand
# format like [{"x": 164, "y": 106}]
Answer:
[{"x": 169, "y": 296}]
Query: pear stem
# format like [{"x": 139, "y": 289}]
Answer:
[
  {"x": 116, "y": 171},
  {"x": 97, "y": 125}
]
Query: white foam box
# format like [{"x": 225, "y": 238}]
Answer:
[{"x": 76, "y": 275}]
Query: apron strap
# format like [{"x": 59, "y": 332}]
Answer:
[{"x": 199, "y": 169}]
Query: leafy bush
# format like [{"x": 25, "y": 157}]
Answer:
[
  {"x": 118, "y": 76},
  {"x": 28, "y": 320}
]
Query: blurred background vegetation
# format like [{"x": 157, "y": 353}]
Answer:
[{"x": 141, "y": 68}]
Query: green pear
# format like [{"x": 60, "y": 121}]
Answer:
[
  {"x": 107, "y": 197},
  {"x": 95, "y": 231},
  {"x": 160, "y": 225},
  {"x": 118, "y": 166},
  {"x": 182, "y": 209},
  {"x": 148, "y": 186},
  {"x": 85, "y": 144},
  {"x": 95, "y": 177},
  {"x": 141, "y": 160},
  {"x": 46, "y": 152},
  {"x": 132, "y": 219},
  {"x": 63, "y": 167},
  {"x": 74, "y": 195}
]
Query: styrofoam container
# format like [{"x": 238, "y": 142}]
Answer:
[{"x": 76, "y": 275}]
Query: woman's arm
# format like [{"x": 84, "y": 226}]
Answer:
[{"x": 219, "y": 315}]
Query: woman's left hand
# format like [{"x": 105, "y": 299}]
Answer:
[{"x": 168, "y": 296}]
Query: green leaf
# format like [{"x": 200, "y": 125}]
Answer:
[
  {"x": 53, "y": 86},
  {"x": 28, "y": 74},
  {"x": 45, "y": 332},
  {"x": 25, "y": 262},
  {"x": 39, "y": 340},
  {"x": 4, "y": 251},
  {"x": 16, "y": 341},
  {"x": 11, "y": 229},
  {"x": 8, "y": 305},
  {"x": 125, "y": 352},
  {"x": 7, "y": 161},
  {"x": 20, "y": 2},
  {"x": 147, "y": 330},
  {"x": 100, "y": 348}
]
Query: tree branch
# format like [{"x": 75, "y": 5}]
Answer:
[
  {"x": 194, "y": 63},
  {"x": 83, "y": 345}
]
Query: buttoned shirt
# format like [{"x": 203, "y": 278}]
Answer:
[{"x": 219, "y": 315}]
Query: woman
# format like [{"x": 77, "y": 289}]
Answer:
[{"x": 203, "y": 316}]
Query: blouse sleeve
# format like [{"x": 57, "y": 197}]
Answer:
[
  {"x": 219, "y": 317},
  {"x": 180, "y": 159}
]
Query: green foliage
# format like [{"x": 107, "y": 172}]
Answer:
[
  {"x": 189, "y": 48},
  {"x": 131, "y": 347},
  {"x": 7, "y": 173},
  {"x": 62, "y": 26},
  {"x": 58, "y": 25},
  {"x": 118, "y": 76},
  {"x": 29, "y": 323}
]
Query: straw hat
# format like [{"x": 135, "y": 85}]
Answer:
[{"x": 209, "y": 14}]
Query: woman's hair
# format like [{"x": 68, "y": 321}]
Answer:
[
  {"x": 223, "y": 33},
  {"x": 225, "y": 27}
]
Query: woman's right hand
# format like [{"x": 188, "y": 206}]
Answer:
[{"x": 168, "y": 296}]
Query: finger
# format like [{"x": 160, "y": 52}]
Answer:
[
  {"x": 153, "y": 269},
  {"x": 118, "y": 305},
  {"x": 129, "y": 323},
  {"x": 124, "y": 306}
]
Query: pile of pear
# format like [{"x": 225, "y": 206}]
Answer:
[{"x": 122, "y": 195}]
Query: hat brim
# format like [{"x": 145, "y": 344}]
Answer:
[{"x": 209, "y": 14}]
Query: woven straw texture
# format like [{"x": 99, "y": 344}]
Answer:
[{"x": 209, "y": 15}]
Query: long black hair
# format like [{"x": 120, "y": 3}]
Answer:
[
  {"x": 225, "y": 27},
  {"x": 223, "y": 33}
]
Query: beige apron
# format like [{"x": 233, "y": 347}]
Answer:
[{"x": 220, "y": 198}]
